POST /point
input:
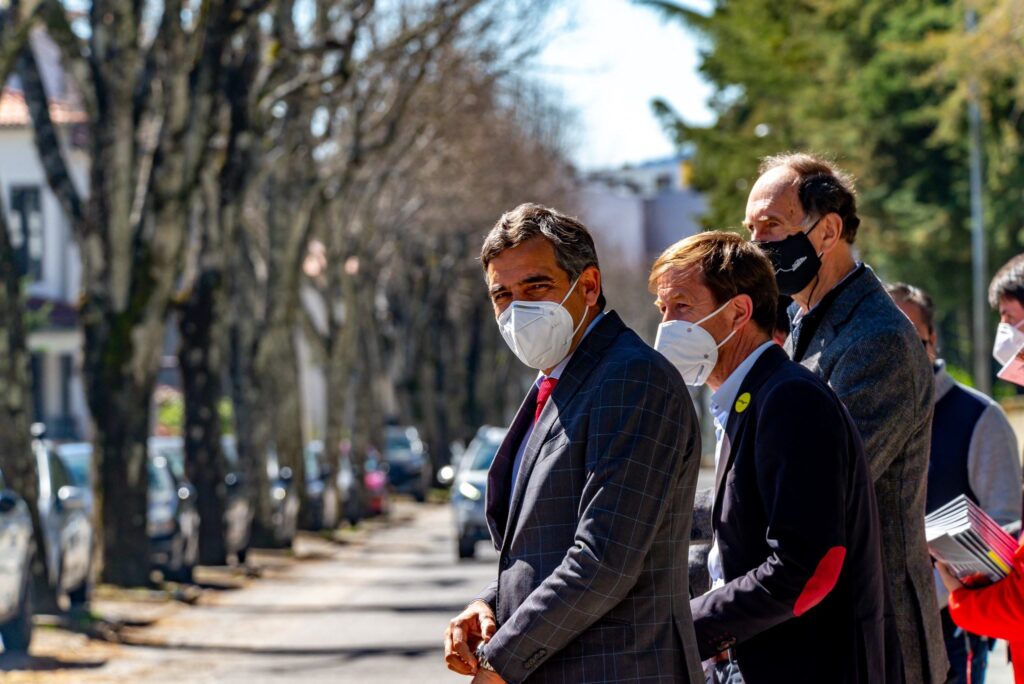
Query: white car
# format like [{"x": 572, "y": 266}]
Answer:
[
  {"x": 65, "y": 514},
  {"x": 469, "y": 489},
  {"x": 16, "y": 549}
]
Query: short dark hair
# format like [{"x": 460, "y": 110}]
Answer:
[
  {"x": 782, "y": 323},
  {"x": 902, "y": 293},
  {"x": 729, "y": 266},
  {"x": 1008, "y": 282},
  {"x": 574, "y": 247},
  {"x": 823, "y": 188}
]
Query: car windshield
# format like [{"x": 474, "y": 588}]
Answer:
[
  {"x": 175, "y": 455},
  {"x": 76, "y": 458},
  {"x": 227, "y": 444},
  {"x": 397, "y": 441},
  {"x": 312, "y": 463},
  {"x": 161, "y": 484},
  {"x": 401, "y": 444},
  {"x": 481, "y": 453}
]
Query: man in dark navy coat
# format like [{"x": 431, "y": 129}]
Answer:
[{"x": 797, "y": 580}]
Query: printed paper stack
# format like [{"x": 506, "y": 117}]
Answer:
[{"x": 969, "y": 541}]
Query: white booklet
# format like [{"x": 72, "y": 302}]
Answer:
[{"x": 967, "y": 539}]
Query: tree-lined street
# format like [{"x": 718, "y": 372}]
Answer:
[{"x": 370, "y": 610}]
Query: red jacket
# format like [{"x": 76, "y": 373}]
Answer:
[{"x": 996, "y": 610}]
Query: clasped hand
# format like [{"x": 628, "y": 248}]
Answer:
[{"x": 466, "y": 631}]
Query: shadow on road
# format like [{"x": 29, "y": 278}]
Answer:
[
  {"x": 344, "y": 653},
  {"x": 452, "y": 608},
  {"x": 10, "y": 662}
]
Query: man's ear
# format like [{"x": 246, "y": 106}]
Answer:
[
  {"x": 590, "y": 284},
  {"x": 831, "y": 227},
  {"x": 742, "y": 309}
]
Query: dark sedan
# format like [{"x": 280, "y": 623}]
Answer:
[
  {"x": 172, "y": 522},
  {"x": 409, "y": 470},
  {"x": 237, "y": 509}
]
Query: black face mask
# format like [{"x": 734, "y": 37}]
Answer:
[{"x": 794, "y": 260}]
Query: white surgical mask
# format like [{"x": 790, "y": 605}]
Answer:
[
  {"x": 539, "y": 333},
  {"x": 1009, "y": 340},
  {"x": 690, "y": 348}
]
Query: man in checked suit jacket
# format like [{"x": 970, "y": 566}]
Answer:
[
  {"x": 798, "y": 587},
  {"x": 589, "y": 498},
  {"x": 803, "y": 212}
]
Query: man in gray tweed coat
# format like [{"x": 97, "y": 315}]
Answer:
[{"x": 802, "y": 211}]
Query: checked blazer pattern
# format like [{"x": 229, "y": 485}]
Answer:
[{"x": 592, "y": 577}]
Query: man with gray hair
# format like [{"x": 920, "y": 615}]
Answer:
[
  {"x": 802, "y": 211},
  {"x": 974, "y": 452},
  {"x": 590, "y": 496}
]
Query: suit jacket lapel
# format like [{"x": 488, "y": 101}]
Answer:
[
  {"x": 583, "y": 361},
  {"x": 765, "y": 365},
  {"x": 499, "y": 475}
]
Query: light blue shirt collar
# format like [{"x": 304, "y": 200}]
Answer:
[{"x": 722, "y": 400}]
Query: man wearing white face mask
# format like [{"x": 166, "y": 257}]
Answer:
[
  {"x": 590, "y": 496},
  {"x": 798, "y": 585},
  {"x": 1006, "y": 295}
]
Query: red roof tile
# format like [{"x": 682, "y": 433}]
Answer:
[{"x": 14, "y": 111}]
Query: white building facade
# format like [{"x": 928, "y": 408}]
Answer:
[{"x": 46, "y": 255}]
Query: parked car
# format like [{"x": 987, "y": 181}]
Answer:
[
  {"x": 16, "y": 552},
  {"x": 76, "y": 458},
  {"x": 321, "y": 494},
  {"x": 237, "y": 508},
  {"x": 172, "y": 522},
  {"x": 409, "y": 470},
  {"x": 469, "y": 489},
  {"x": 65, "y": 509},
  {"x": 375, "y": 484},
  {"x": 284, "y": 499}
]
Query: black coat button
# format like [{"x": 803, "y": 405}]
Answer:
[{"x": 505, "y": 563}]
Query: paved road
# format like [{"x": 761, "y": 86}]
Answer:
[
  {"x": 372, "y": 612},
  {"x": 369, "y": 612}
]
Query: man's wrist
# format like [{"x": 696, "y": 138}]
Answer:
[
  {"x": 482, "y": 602},
  {"x": 481, "y": 658}
]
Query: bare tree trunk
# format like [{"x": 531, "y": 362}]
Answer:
[
  {"x": 16, "y": 458},
  {"x": 120, "y": 409},
  {"x": 277, "y": 366},
  {"x": 252, "y": 427},
  {"x": 201, "y": 366}
]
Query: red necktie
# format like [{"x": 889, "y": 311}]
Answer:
[{"x": 547, "y": 386}]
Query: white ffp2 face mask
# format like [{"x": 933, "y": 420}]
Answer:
[
  {"x": 691, "y": 348},
  {"x": 539, "y": 333},
  {"x": 1009, "y": 340}
]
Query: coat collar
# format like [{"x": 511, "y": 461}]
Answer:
[
  {"x": 583, "y": 361},
  {"x": 768, "y": 363},
  {"x": 944, "y": 382},
  {"x": 832, "y": 313}
]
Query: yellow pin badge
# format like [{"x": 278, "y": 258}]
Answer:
[{"x": 742, "y": 402}]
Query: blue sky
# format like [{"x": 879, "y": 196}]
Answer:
[{"x": 609, "y": 58}]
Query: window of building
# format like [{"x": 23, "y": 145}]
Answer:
[
  {"x": 663, "y": 182},
  {"x": 38, "y": 381},
  {"x": 27, "y": 230},
  {"x": 67, "y": 373}
]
